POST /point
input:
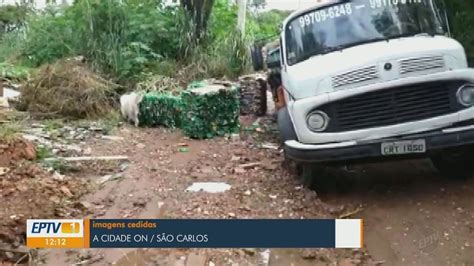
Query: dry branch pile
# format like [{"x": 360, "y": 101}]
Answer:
[
  {"x": 68, "y": 88},
  {"x": 159, "y": 83}
]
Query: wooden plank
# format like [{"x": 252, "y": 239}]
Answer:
[{"x": 88, "y": 158}]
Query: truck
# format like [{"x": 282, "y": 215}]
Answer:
[{"x": 365, "y": 80}]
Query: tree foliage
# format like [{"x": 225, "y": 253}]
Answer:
[
  {"x": 266, "y": 25},
  {"x": 126, "y": 39},
  {"x": 461, "y": 17},
  {"x": 12, "y": 17},
  {"x": 199, "y": 12}
]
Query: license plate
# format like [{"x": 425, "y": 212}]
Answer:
[{"x": 404, "y": 147}]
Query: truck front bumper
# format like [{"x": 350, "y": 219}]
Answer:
[{"x": 361, "y": 150}]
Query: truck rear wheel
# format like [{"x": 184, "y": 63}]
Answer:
[{"x": 455, "y": 163}]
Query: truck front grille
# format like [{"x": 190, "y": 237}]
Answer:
[
  {"x": 393, "y": 106},
  {"x": 355, "y": 76},
  {"x": 411, "y": 65}
]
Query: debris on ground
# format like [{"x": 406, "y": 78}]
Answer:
[
  {"x": 10, "y": 93},
  {"x": 209, "y": 187},
  {"x": 28, "y": 191},
  {"x": 67, "y": 88},
  {"x": 265, "y": 257},
  {"x": 4, "y": 170},
  {"x": 112, "y": 138},
  {"x": 107, "y": 178},
  {"x": 52, "y": 138},
  {"x": 7, "y": 94},
  {"x": 270, "y": 146},
  {"x": 351, "y": 213},
  {"x": 16, "y": 149},
  {"x": 88, "y": 158}
]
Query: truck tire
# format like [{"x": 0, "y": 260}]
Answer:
[
  {"x": 285, "y": 126},
  {"x": 306, "y": 173},
  {"x": 455, "y": 163},
  {"x": 257, "y": 57}
]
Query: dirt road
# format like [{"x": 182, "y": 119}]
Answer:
[
  {"x": 413, "y": 217},
  {"x": 163, "y": 164}
]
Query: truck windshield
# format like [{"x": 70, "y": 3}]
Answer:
[{"x": 350, "y": 23}]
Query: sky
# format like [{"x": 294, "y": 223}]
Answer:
[{"x": 289, "y": 4}]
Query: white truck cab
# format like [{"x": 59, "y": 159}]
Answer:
[{"x": 368, "y": 79}]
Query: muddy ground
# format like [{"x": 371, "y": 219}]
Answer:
[{"x": 412, "y": 215}]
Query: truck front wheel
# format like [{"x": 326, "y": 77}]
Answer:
[
  {"x": 307, "y": 174},
  {"x": 285, "y": 126},
  {"x": 455, "y": 163}
]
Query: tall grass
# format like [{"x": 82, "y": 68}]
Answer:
[{"x": 125, "y": 39}]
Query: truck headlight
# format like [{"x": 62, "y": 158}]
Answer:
[
  {"x": 465, "y": 95},
  {"x": 317, "y": 121}
]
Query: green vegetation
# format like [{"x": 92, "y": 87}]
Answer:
[
  {"x": 461, "y": 18},
  {"x": 129, "y": 40},
  {"x": 14, "y": 72},
  {"x": 43, "y": 152},
  {"x": 126, "y": 40},
  {"x": 266, "y": 25},
  {"x": 12, "y": 17},
  {"x": 10, "y": 130}
]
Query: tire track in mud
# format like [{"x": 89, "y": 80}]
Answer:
[{"x": 412, "y": 215}]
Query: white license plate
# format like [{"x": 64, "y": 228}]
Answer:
[{"x": 404, "y": 147}]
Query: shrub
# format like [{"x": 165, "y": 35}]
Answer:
[
  {"x": 126, "y": 39},
  {"x": 49, "y": 37},
  {"x": 461, "y": 18},
  {"x": 10, "y": 46},
  {"x": 12, "y": 17}
]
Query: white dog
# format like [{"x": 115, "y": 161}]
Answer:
[{"x": 129, "y": 106}]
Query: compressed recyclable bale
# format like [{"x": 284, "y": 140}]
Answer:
[
  {"x": 253, "y": 95},
  {"x": 158, "y": 108},
  {"x": 210, "y": 111}
]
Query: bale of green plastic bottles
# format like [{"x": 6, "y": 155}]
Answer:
[
  {"x": 210, "y": 110},
  {"x": 160, "y": 109}
]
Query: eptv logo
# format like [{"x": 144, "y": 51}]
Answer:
[{"x": 55, "y": 228}]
